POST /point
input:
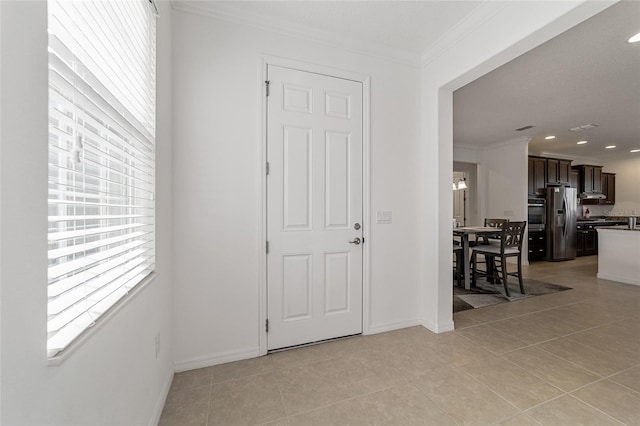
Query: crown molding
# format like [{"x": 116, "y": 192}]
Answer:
[
  {"x": 522, "y": 140},
  {"x": 464, "y": 146},
  {"x": 576, "y": 159},
  {"x": 229, "y": 13},
  {"x": 550, "y": 154},
  {"x": 478, "y": 17}
]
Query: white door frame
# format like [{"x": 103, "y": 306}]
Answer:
[{"x": 266, "y": 60}]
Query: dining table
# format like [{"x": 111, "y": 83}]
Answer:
[{"x": 464, "y": 232}]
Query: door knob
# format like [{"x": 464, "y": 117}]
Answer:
[
  {"x": 356, "y": 226},
  {"x": 355, "y": 241}
]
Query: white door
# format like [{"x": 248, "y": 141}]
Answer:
[{"x": 314, "y": 207}]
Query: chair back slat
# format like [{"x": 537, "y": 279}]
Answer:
[
  {"x": 494, "y": 223},
  {"x": 512, "y": 235}
]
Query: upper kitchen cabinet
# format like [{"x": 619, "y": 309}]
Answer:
[
  {"x": 543, "y": 171},
  {"x": 590, "y": 178},
  {"x": 574, "y": 179},
  {"x": 608, "y": 188},
  {"x": 558, "y": 171},
  {"x": 537, "y": 175}
]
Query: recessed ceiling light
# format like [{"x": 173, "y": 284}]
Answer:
[
  {"x": 609, "y": 146},
  {"x": 635, "y": 150},
  {"x": 634, "y": 39},
  {"x": 550, "y": 137},
  {"x": 581, "y": 142}
]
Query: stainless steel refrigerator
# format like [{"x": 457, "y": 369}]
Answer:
[{"x": 561, "y": 223}]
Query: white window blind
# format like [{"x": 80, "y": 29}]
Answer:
[{"x": 101, "y": 235}]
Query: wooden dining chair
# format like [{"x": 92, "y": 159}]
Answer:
[
  {"x": 458, "y": 268},
  {"x": 493, "y": 223},
  {"x": 511, "y": 238}
]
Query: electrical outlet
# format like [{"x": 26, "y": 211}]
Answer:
[
  {"x": 508, "y": 212},
  {"x": 157, "y": 344}
]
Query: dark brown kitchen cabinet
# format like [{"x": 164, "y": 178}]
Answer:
[
  {"x": 558, "y": 171},
  {"x": 574, "y": 179},
  {"x": 586, "y": 240},
  {"x": 537, "y": 245},
  {"x": 537, "y": 175},
  {"x": 590, "y": 178},
  {"x": 609, "y": 188}
]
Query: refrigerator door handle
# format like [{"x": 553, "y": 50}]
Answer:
[{"x": 566, "y": 215}]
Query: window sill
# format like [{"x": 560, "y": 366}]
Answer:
[{"x": 61, "y": 356}]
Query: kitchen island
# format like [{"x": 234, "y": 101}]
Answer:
[{"x": 619, "y": 254}]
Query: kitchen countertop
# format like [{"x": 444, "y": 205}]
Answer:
[
  {"x": 600, "y": 222},
  {"x": 621, "y": 228}
]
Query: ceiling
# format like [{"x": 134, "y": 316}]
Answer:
[{"x": 587, "y": 75}]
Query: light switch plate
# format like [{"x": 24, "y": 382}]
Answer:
[{"x": 383, "y": 217}]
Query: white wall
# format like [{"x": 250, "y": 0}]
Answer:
[
  {"x": 218, "y": 88},
  {"x": 503, "y": 181},
  {"x": 508, "y": 30},
  {"x": 627, "y": 172},
  {"x": 113, "y": 377}
]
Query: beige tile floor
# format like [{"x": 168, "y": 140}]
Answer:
[{"x": 570, "y": 358}]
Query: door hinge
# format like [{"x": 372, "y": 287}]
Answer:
[
  {"x": 267, "y": 83},
  {"x": 267, "y": 247},
  {"x": 267, "y": 167},
  {"x": 266, "y": 325}
]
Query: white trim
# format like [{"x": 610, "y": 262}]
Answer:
[
  {"x": 162, "y": 399},
  {"x": 383, "y": 328},
  {"x": 620, "y": 279},
  {"x": 479, "y": 16},
  {"x": 228, "y": 13},
  {"x": 265, "y": 61},
  {"x": 262, "y": 213},
  {"x": 215, "y": 359},
  {"x": 367, "y": 221},
  {"x": 442, "y": 327}
]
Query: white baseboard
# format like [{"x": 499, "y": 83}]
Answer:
[
  {"x": 162, "y": 399},
  {"x": 626, "y": 280},
  {"x": 441, "y": 327},
  {"x": 215, "y": 359},
  {"x": 381, "y": 328}
]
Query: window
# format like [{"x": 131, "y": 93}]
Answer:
[{"x": 101, "y": 235}]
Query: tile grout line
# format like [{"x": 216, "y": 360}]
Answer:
[
  {"x": 284, "y": 406},
  {"x": 206, "y": 418},
  {"x": 571, "y": 362},
  {"x": 489, "y": 389},
  {"x": 596, "y": 408}
]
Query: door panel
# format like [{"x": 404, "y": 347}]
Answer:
[
  {"x": 296, "y": 283},
  {"x": 337, "y": 283},
  {"x": 337, "y": 173},
  {"x": 314, "y": 199},
  {"x": 297, "y": 190}
]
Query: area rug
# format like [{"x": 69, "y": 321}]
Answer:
[{"x": 487, "y": 294}]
